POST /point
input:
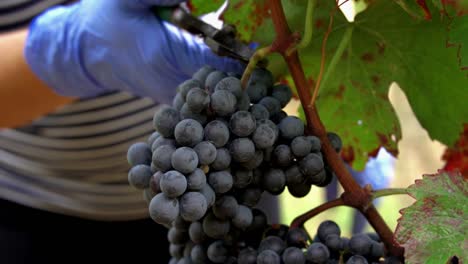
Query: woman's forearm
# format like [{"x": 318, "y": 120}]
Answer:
[{"x": 23, "y": 97}]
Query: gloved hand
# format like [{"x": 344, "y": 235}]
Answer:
[{"x": 96, "y": 46}]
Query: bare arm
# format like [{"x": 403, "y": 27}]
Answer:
[{"x": 23, "y": 97}]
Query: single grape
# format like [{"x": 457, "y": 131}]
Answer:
[
  {"x": 250, "y": 196},
  {"x": 242, "y": 178},
  {"x": 202, "y": 73},
  {"x": 274, "y": 181},
  {"x": 139, "y": 153},
  {"x": 264, "y": 136},
  {"x": 243, "y": 217},
  {"x": 243, "y": 103},
  {"x": 256, "y": 91},
  {"x": 257, "y": 176},
  {"x": 161, "y": 141},
  {"x": 356, "y": 259},
  {"x": 198, "y": 254},
  {"x": 297, "y": 237},
  {"x": 326, "y": 228},
  {"x": 225, "y": 207},
  {"x": 176, "y": 236},
  {"x": 316, "y": 144},
  {"x": 214, "y": 227},
  {"x": 217, "y": 133},
  {"x": 374, "y": 236},
  {"x": 259, "y": 221},
  {"x": 282, "y": 155},
  {"x": 154, "y": 182},
  {"x": 196, "y": 233},
  {"x": 291, "y": 127},
  {"x": 299, "y": 190},
  {"x": 317, "y": 253},
  {"x": 247, "y": 256},
  {"x": 176, "y": 250},
  {"x": 184, "y": 159},
  {"x": 272, "y": 243},
  {"x": 209, "y": 194},
  {"x": 197, "y": 99},
  {"x": 186, "y": 113},
  {"x": 196, "y": 180},
  {"x": 223, "y": 103},
  {"x": 165, "y": 119},
  {"x": 293, "y": 255},
  {"x": 268, "y": 257},
  {"x": 360, "y": 244},
  {"x": 301, "y": 146},
  {"x": 206, "y": 152},
  {"x": 294, "y": 175},
  {"x": 220, "y": 181},
  {"x": 282, "y": 93},
  {"x": 139, "y": 176},
  {"x": 271, "y": 104},
  {"x": 223, "y": 159},
  {"x": 242, "y": 149},
  {"x": 188, "y": 132},
  {"x": 276, "y": 118},
  {"x": 152, "y": 138},
  {"x": 173, "y": 184},
  {"x": 231, "y": 84},
  {"x": 335, "y": 141},
  {"x": 163, "y": 210},
  {"x": 217, "y": 252},
  {"x": 311, "y": 164},
  {"x": 178, "y": 101},
  {"x": 262, "y": 75},
  {"x": 242, "y": 123},
  {"x": 162, "y": 157},
  {"x": 377, "y": 249},
  {"x": 271, "y": 124},
  {"x": 255, "y": 162},
  {"x": 187, "y": 85},
  {"x": 259, "y": 112},
  {"x": 193, "y": 206},
  {"x": 333, "y": 242},
  {"x": 213, "y": 79}
]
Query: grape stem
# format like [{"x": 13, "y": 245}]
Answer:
[
  {"x": 308, "y": 28},
  {"x": 256, "y": 57},
  {"x": 354, "y": 195},
  {"x": 301, "y": 219},
  {"x": 386, "y": 192}
]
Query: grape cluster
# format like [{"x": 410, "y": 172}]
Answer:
[{"x": 215, "y": 151}]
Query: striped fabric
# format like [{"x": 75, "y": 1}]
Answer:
[
  {"x": 14, "y": 13},
  {"x": 73, "y": 161}
]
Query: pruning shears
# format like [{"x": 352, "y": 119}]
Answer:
[{"x": 223, "y": 41}]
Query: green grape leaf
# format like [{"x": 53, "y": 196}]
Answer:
[
  {"x": 246, "y": 15},
  {"x": 458, "y": 37},
  {"x": 435, "y": 227},
  {"x": 421, "y": 8},
  {"x": 386, "y": 45},
  {"x": 201, "y": 7}
]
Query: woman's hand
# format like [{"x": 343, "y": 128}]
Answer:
[{"x": 93, "y": 47}]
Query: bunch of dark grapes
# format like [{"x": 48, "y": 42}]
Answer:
[{"x": 215, "y": 151}]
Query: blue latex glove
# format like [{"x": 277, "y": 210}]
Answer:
[{"x": 96, "y": 46}]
